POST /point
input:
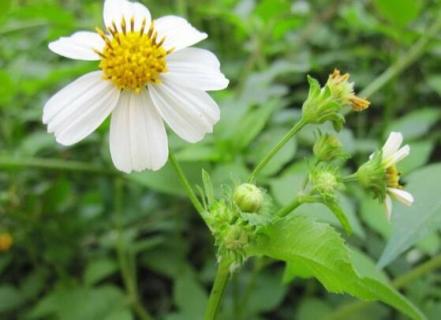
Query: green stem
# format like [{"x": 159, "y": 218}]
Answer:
[
  {"x": 181, "y": 8},
  {"x": 267, "y": 158},
  {"x": 186, "y": 184},
  {"x": 405, "y": 61},
  {"x": 297, "y": 202},
  {"x": 10, "y": 163},
  {"x": 126, "y": 272},
  {"x": 23, "y": 27},
  {"x": 346, "y": 310},
  {"x": 217, "y": 292}
]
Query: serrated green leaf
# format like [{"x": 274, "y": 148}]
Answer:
[
  {"x": 320, "y": 252},
  {"x": 411, "y": 224}
]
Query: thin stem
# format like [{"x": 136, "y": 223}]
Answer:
[
  {"x": 181, "y": 8},
  {"x": 344, "y": 311},
  {"x": 186, "y": 184},
  {"x": 405, "y": 61},
  {"x": 126, "y": 272},
  {"x": 23, "y": 27},
  {"x": 294, "y": 204},
  {"x": 267, "y": 158},
  {"x": 10, "y": 163},
  {"x": 217, "y": 292}
]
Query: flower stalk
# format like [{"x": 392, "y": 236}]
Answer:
[{"x": 218, "y": 289}]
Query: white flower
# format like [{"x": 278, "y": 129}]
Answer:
[
  {"x": 393, "y": 153},
  {"x": 148, "y": 75}
]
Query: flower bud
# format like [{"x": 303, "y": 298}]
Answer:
[
  {"x": 248, "y": 197},
  {"x": 325, "y": 181},
  {"x": 236, "y": 238},
  {"x": 327, "y": 148},
  {"x": 5, "y": 242}
]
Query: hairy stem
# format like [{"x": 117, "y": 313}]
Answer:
[
  {"x": 294, "y": 204},
  {"x": 346, "y": 310},
  {"x": 267, "y": 158},
  {"x": 405, "y": 61},
  {"x": 217, "y": 292}
]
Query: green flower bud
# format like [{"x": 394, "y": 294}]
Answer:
[
  {"x": 325, "y": 181},
  {"x": 248, "y": 197},
  {"x": 235, "y": 238},
  {"x": 328, "y": 147}
]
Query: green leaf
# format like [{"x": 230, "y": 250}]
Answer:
[
  {"x": 5, "y": 5},
  {"x": 10, "y": 298},
  {"x": 190, "y": 296},
  {"x": 412, "y": 224},
  {"x": 317, "y": 250},
  {"x": 399, "y": 12},
  {"x": 416, "y": 124},
  {"x": 99, "y": 269}
]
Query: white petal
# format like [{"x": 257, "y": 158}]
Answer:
[
  {"x": 190, "y": 113},
  {"x": 178, "y": 33},
  {"x": 79, "y": 46},
  {"x": 388, "y": 207},
  {"x": 116, "y": 10},
  {"x": 78, "y": 109},
  {"x": 138, "y": 139},
  {"x": 392, "y": 144},
  {"x": 397, "y": 156},
  {"x": 195, "y": 68},
  {"x": 402, "y": 196}
]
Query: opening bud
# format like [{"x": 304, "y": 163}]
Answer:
[{"x": 248, "y": 197}]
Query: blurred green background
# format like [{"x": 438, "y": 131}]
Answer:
[{"x": 78, "y": 241}]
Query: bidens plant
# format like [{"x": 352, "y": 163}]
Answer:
[{"x": 149, "y": 74}]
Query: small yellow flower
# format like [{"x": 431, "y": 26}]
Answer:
[
  {"x": 6, "y": 242},
  {"x": 344, "y": 91}
]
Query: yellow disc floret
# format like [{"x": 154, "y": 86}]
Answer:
[
  {"x": 132, "y": 59},
  {"x": 393, "y": 177}
]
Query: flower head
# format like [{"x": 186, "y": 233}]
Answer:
[
  {"x": 248, "y": 197},
  {"x": 5, "y": 242},
  {"x": 148, "y": 74},
  {"x": 343, "y": 90},
  {"x": 381, "y": 176}
]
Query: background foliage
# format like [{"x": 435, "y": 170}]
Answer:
[{"x": 91, "y": 244}]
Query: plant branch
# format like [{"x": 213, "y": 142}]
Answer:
[
  {"x": 405, "y": 61},
  {"x": 294, "y": 204},
  {"x": 344, "y": 311},
  {"x": 186, "y": 185},
  {"x": 217, "y": 292},
  {"x": 267, "y": 158},
  {"x": 10, "y": 163}
]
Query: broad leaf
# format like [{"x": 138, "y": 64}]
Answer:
[
  {"x": 317, "y": 250},
  {"x": 412, "y": 224}
]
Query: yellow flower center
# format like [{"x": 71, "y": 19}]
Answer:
[
  {"x": 5, "y": 242},
  {"x": 393, "y": 177},
  {"x": 132, "y": 59}
]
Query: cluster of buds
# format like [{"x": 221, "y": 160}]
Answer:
[
  {"x": 380, "y": 175},
  {"x": 325, "y": 104},
  {"x": 234, "y": 221}
]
